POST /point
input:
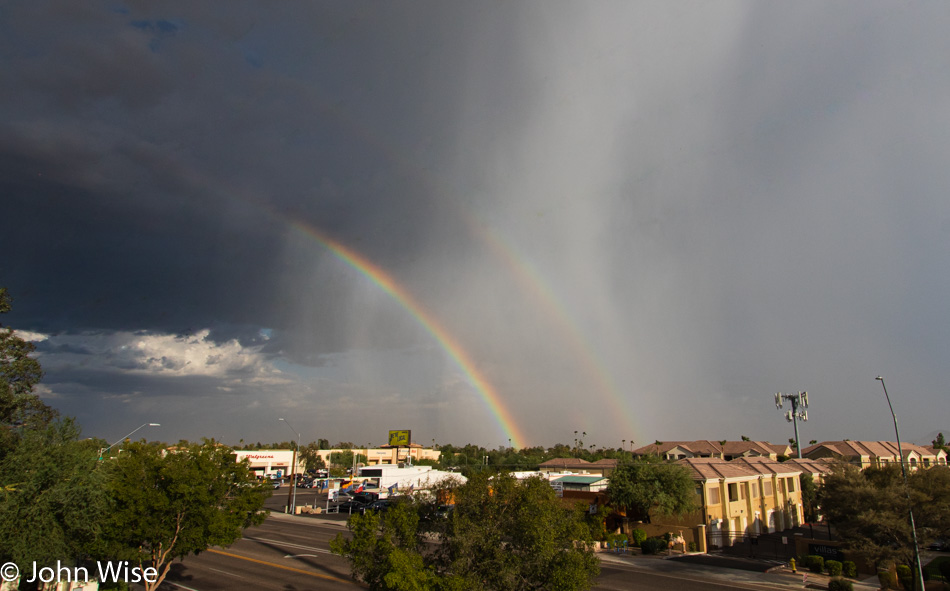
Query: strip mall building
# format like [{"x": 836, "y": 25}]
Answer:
[{"x": 269, "y": 462}]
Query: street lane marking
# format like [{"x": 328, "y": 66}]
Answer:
[
  {"x": 281, "y": 566},
  {"x": 289, "y": 545},
  {"x": 224, "y": 572}
]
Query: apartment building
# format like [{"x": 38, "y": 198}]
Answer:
[
  {"x": 867, "y": 454},
  {"x": 728, "y": 450},
  {"x": 745, "y": 496}
]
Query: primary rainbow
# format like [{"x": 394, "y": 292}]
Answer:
[{"x": 448, "y": 343}]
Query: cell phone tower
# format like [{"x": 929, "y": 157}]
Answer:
[{"x": 799, "y": 410}]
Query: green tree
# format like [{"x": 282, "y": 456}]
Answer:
[
  {"x": 809, "y": 497},
  {"x": 310, "y": 457},
  {"x": 503, "y": 534},
  {"x": 869, "y": 509},
  {"x": 167, "y": 504},
  {"x": 940, "y": 442},
  {"x": 649, "y": 485},
  {"x": 20, "y": 407},
  {"x": 53, "y": 499}
]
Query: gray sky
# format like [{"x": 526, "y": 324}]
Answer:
[{"x": 634, "y": 219}]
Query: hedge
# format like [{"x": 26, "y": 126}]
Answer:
[{"x": 833, "y": 567}]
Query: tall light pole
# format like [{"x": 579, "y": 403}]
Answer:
[
  {"x": 292, "y": 493},
  {"x": 910, "y": 509},
  {"x": 799, "y": 405},
  {"x": 102, "y": 452}
]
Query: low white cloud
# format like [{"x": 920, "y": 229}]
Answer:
[
  {"x": 35, "y": 337},
  {"x": 159, "y": 355}
]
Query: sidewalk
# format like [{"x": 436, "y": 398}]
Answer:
[{"x": 727, "y": 569}]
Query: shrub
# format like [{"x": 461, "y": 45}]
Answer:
[
  {"x": 839, "y": 584},
  {"x": 944, "y": 567},
  {"x": 849, "y": 569},
  {"x": 887, "y": 578},
  {"x": 816, "y": 563},
  {"x": 833, "y": 567},
  {"x": 692, "y": 546},
  {"x": 653, "y": 545},
  {"x": 638, "y": 535},
  {"x": 906, "y": 576}
]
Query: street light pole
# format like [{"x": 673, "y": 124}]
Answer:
[
  {"x": 102, "y": 452},
  {"x": 910, "y": 509},
  {"x": 292, "y": 493}
]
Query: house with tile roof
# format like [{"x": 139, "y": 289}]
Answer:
[
  {"x": 867, "y": 454},
  {"x": 578, "y": 466}
]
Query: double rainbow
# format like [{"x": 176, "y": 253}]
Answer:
[{"x": 451, "y": 346}]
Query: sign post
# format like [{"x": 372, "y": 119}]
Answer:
[{"x": 399, "y": 439}]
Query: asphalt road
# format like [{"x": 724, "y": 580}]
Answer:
[
  {"x": 283, "y": 553},
  {"x": 292, "y": 553}
]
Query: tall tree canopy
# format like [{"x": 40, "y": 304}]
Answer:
[
  {"x": 503, "y": 534},
  {"x": 54, "y": 500},
  {"x": 20, "y": 407},
  {"x": 652, "y": 485},
  {"x": 171, "y": 503},
  {"x": 869, "y": 509}
]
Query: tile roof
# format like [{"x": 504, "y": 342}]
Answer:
[
  {"x": 565, "y": 462},
  {"x": 716, "y": 468},
  {"x": 880, "y": 449},
  {"x": 703, "y": 446}
]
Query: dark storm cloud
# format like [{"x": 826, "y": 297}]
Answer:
[
  {"x": 156, "y": 173},
  {"x": 700, "y": 203}
]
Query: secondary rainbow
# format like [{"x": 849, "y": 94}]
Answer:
[{"x": 451, "y": 346}]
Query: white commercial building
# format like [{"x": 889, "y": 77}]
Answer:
[{"x": 269, "y": 462}]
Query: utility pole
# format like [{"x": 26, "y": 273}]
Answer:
[
  {"x": 292, "y": 493},
  {"x": 799, "y": 404}
]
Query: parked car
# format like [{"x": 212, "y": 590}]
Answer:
[
  {"x": 939, "y": 545},
  {"x": 379, "y": 506},
  {"x": 277, "y": 484},
  {"x": 351, "y": 506}
]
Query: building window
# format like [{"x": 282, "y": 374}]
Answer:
[
  {"x": 767, "y": 486},
  {"x": 755, "y": 490},
  {"x": 733, "y": 492},
  {"x": 713, "y": 495},
  {"x": 791, "y": 484}
]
